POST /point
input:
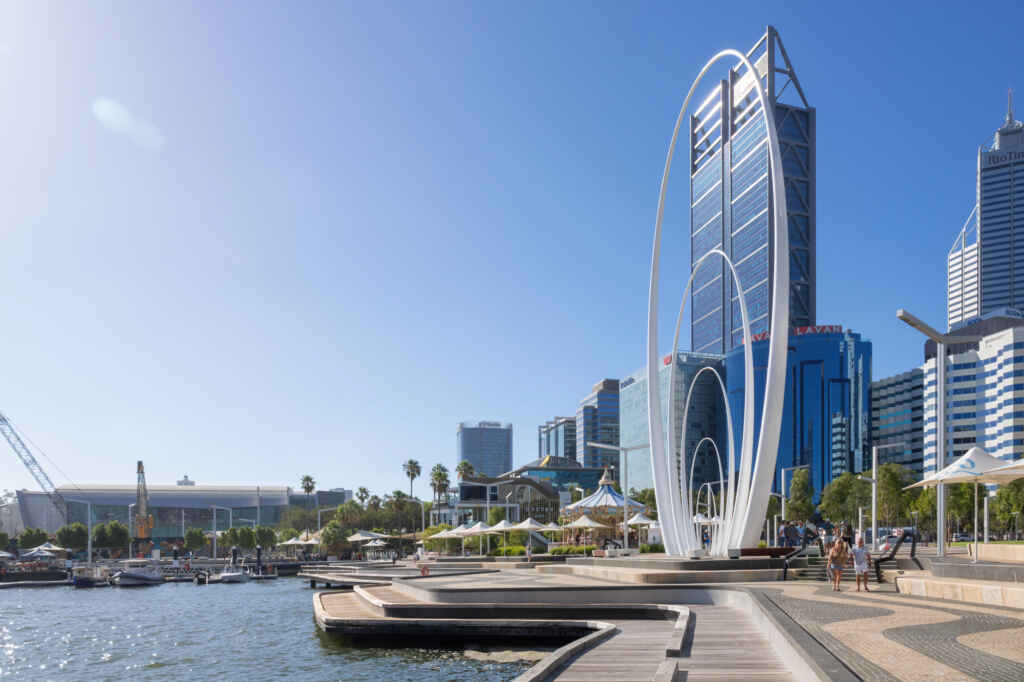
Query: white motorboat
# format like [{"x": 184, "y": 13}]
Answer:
[
  {"x": 232, "y": 574},
  {"x": 139, "y": 573}
]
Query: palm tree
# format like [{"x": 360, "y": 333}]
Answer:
[
  {"x": 373, "y": 503},
  {"x": 308, "y": 486},
  {"x": 413, "y": 471},
  {"x": 362, "y": 494},
  {"x": 439, "y": 479},
  {"x": 465, "y": 469}
]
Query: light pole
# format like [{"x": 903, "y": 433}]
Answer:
[
  {"x": 624, "y": 451},
  {"x": 874, "y": 488},
  {"x": 784, "y": 470},
  {"x": 775, "y": 532},
  {"x": 1016, "y": 532},
  {"x": 860, "y": 521},
  {"x": 914, "y": 514},
  {"x": 941, "y": 343}
]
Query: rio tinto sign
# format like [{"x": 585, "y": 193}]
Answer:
[
  {"x": 990, "y": 159},
  {"x": 803, "y": 331}
]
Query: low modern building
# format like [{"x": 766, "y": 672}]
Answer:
[
  {"x": 706, "y": 420},
  {"x": 597, "y": 421},
  {"x": 826, "y": 416},
  {"x": 897, "y": 419},
  {"x": 521, "y": 497},
  {"x": 173, "y": 507},
  {"x": 557, "y": 438},
  {"x": 561, "y": 473},
  {"x": 485, "y": 445},
  {"x": 321, "y": 498}
]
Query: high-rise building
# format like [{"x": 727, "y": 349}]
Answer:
[
  {"x": 985, "y": 272},
  {"x": 557, "y": 438},
  {"x": 897, "y": 419},
  {"x": 597, "y": 421},
  {"x": 984, "y": 392},
  {"x": 729, "y": 203},
  {"x": 826, "y": 414},
  {"x": 485, "y": 445},
  {"x": 707, "y": 418}
]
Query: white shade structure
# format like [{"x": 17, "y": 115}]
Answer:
[
  {"x": 552, "y": 526},
  {"x": 529, "y": 524},
  {"x": 586, "y": 522},
  {"x": 1006, "y": 473},
  {"x": 639, "y": 520},
  {"x": 6, "y": 555},
  {"x": 477, "y": 528},
  {"x": 295, "y": 542},
  {"x": 502, "y": 525},
  {"x": 364, "y": 535},
  {"x": 376, "y": 543},
  {"x": 49, "y": 547},
  {"x": 974, "y": 467}
]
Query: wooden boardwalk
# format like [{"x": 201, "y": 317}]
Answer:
[
  {"x": 728, "y": 645},
  {"x": 633, "y": 653}
]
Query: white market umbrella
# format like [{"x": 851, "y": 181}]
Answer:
[
  {"x": 478, "y": 528},
  {"x": 529, "y": 524},
  {"x": 587, "y": 523},
  {"x": 49, "y": 547},
  {"x": 38, "y": 554},
  {"x": 974, "y": 467},
  {"x": 639, "y": 520},
  {"x": 364, "y": 535},
  {"x": 504, "y": 526}
]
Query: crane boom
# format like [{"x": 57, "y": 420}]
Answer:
[{"x": 29, "y": 460}]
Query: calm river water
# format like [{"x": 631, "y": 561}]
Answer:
[{"x": 257, "y": 630}]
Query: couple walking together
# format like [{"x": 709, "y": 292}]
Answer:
[{"x": 838, "y": 556}]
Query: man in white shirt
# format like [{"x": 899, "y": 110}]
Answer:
[{"x": 861, "y": 563}]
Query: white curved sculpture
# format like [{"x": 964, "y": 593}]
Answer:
[
  {"x": 721, "y": 474},
  {"x": 748, "y": 496}
]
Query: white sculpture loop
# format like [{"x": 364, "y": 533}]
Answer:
[{"x": 748, "y": 490}]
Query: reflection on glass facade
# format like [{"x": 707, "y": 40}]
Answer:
[
  {"x": 1001, "y": 217},
  {"x": 962, "y": 276},
  {"x": 826, "y": 416},
  {"x": 897, "y": 419},
  {"x": 707, "y": 417},
  {"x": 729, "y": 200},
  {"x": 561, "y": 475},
  {"x": 557, "y": 438},
  {"x": 597, "y": 421},
  {"x": 485, "y": 445}
]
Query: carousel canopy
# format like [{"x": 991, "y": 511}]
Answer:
[{"x": 605, "y": 497}]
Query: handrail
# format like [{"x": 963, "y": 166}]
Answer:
[
  {"x": 797, "y": 552},
  {"x": 892, "y": 554}
]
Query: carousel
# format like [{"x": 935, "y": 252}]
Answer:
[{"x": 592, "y": 517}]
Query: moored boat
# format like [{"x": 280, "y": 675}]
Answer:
[
  {"x": 90, "y": 576},
  {"x": 138, "y": 574}
]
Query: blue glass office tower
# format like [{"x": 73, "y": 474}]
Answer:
[
  {"x": 730, "y": 202},
  {"x": 1001, "y": 218},
  {"x": 707, "y": 417},
  {"x": 597, "y": 421},
  {"x": 557, "y": 438},
  {"x": 485, "y": 445},
  {"x": 826, "y": 416}
]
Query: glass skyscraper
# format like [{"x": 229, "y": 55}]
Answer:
[
  {"x": 557, "y": 438},
  {"x": 897, "y": 419},
  {"x": 985, "y": 275},
  {"x": 485, "y": 445},
  {"x": 707, "y": 417},
  {"x": 730, "y": 202},
  {"x": 597, "y": 421}
]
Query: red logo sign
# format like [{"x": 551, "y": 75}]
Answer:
[{"x": 667, "y": 360}]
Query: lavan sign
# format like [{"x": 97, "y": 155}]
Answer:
[
  {"x": 990, "y": 159},
  {"x": 802, "y": 331}
]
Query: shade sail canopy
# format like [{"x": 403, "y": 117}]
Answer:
[
  {"x": 376, "y": 543},
  {"x": 1006, "y": 473},
  {"x": 294, "y": 542},
  {"x": 38, "y": 554},
  {"x": 530, "y": 524},
  {"x": 552, "y": 526},
  {"x": 477, "y": 528},
  {"x": 49, "y": 547},
  {"x": 364, "y": 535},
  {"x": 971, "y": 467},
  {"x": 586, "y": 522},
  {"x": 6, "y": 555},
  {"x": 639, "y": 520},
  {"x": 502, "y": 525},
  {"x": 605, "y": 497}
]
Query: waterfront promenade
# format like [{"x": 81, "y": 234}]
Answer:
[{"x": 797, "y": 629}]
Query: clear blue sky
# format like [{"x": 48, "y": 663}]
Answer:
[{"x": 258, "y": 240}]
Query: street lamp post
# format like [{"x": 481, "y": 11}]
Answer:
[
  {"x": 914, "y": 514},
  {"x": 784, "y": 470},
  {"x": 624, "y": 451},
  {"x": 941, "y": 343},
  {"x": 860, "y": 521},
  {"x": 874, "y": 488}
]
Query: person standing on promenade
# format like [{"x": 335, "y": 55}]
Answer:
[
  {"x": 792, "y": 535},
  {"x": 861, "y": 563},
  {"x": 837, "y": 558}
]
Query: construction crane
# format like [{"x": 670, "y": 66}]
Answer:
[
  {"x": 143, "y": 521},
  {"x": 29, "y": 460}
]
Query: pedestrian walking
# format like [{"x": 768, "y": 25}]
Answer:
[
  {"x": 837, "y": 559},
  {"x": 792, "y": 535},
  {"x": 861, "y": 563}
]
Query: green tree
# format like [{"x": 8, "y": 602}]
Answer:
[
  {"x": 308, "y": 485},
  {"x": 229, "y": 538},
  {"x": 362, "y": 495},
  {"x": 100, "y": 536},
  {"x": 246, "y": 537},
  {"x": 495, "y": 515},
  {"x": 773, "y": 508},
  {"x": 465, "y": 469},
  {"x": 894, "y": 503},
  {"x": 412, "y": 471},
  {"x": 333, "y": 537},
  {"x": 373, "y": 503},
  {"x": 31, "y": 537},
  {"x": 645, "y": 497},
  {"x": 842, "y": 498},
  {"x": 118, "y": 535},
  {"x": 800, "y": 503},
  {"x": 1008, "y": 505},
  {"x": 74, "y": 536},
  {"x": 5, "y": 540},
  {"x": 266, "y": 537},
  {"x": 439, "y": 480},
  {"x": 194, "y": 539},
  {"x": 286, "y": 534}
]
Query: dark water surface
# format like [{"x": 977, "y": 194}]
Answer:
[{"x": 256, "y": 631}]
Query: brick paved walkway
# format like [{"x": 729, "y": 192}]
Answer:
[{"x": 882, "y": 635}]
